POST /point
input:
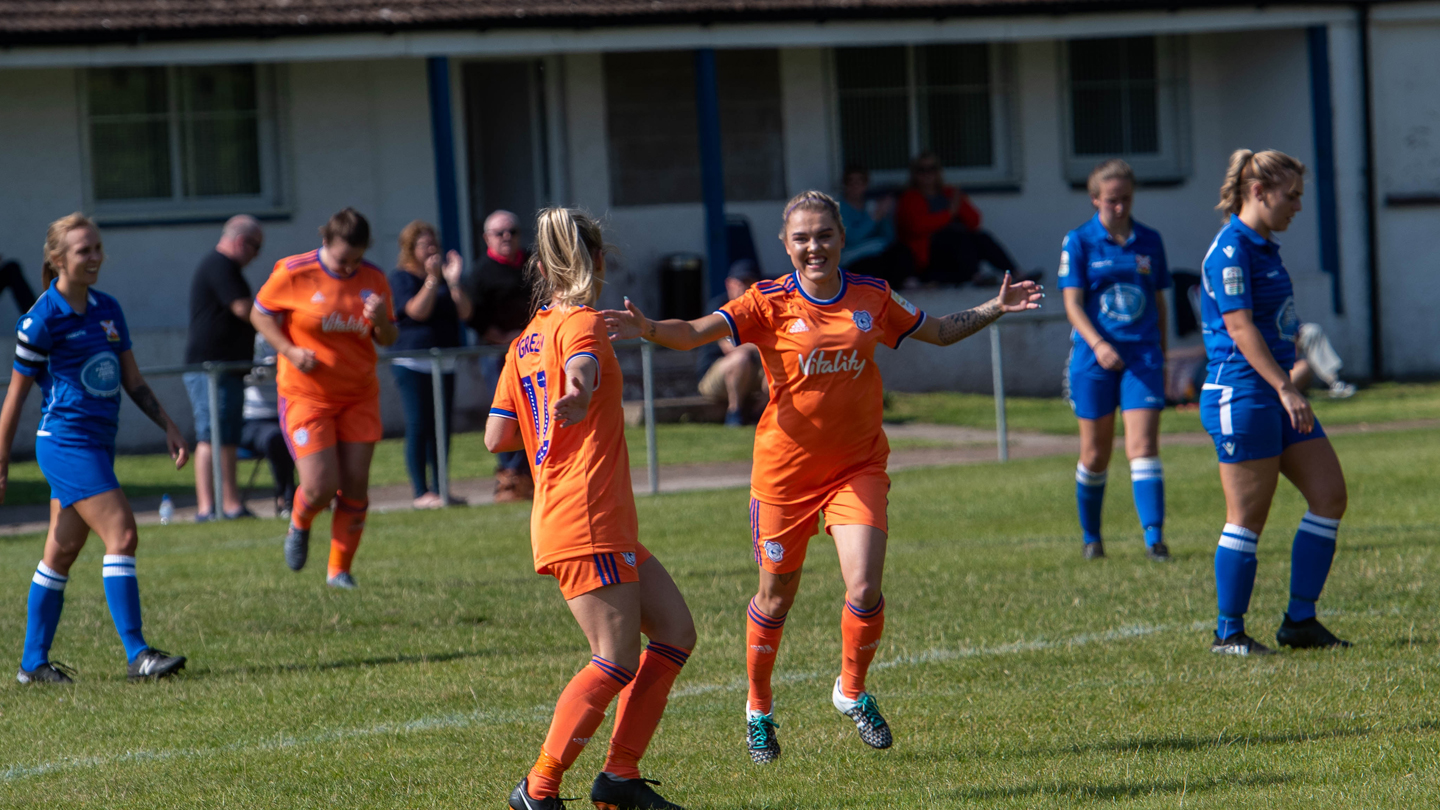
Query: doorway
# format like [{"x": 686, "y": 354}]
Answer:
[{"x": 506, "y": 141}]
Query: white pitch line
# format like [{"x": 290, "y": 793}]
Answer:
[{"x": 12, "y": 773}]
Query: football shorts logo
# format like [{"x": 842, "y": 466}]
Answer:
[
  {"x": 1123, "y": 303},
  {"x": 111, "y": 333},
  {"x": 797, "y": 327},
  {"x": 900, "y": 299},
  {"x": 1229, "y": 251},
  {"x": 1142, "y": 264},
  {"x": 101, "y": 375},
  {"x": 1065, "y": 261},
  {"x": 1234, "y": 280},
  {"x": 862, "y": 320},
  {"x": 317, "y": 298},
  {"x": 1287, "y": 321},
  {"x": 301, "y": 437},
  {"x": 1229, "y": 448},
  {"x": 628, "y": 557},
  {"x": 774, "y": 551}
]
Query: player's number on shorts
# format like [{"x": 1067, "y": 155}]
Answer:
[{"x": 540, "y": 412}]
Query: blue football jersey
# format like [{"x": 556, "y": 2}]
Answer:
[
  {"x": 1119, "y": 280},
  {"x": 76, "y": 361},
  {"x": 1243, "y": 270}
]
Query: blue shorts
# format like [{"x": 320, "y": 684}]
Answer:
[
  {"x": 76, "y": 471},
  {"x": 1095, "y": 391},
  {"x": 232, "y": 404},
  {"x": 1249, "y": 423}
]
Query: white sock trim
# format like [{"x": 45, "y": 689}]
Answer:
[
  {"x": 46, "y": 577},
  {"x": 118, "y": 565},
  {"x": 1238, "y": 538},
  {"x": 1324, "y": 527},
  {"x": 1146, "y": 469},
  {"x": 1089, "y": 478}
]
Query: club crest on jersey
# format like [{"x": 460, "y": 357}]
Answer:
[
  {"x": 1142, "y": 264},
  {"x": 798, "y": 326},
  {"x": 366, "y": 293},
  {"x": 900, "y": 299},
  {"x": 301, "y": 436},
  {"x": 774, "y": 551},
  {"x": 817, "y": 363},
  {"x": 1234, "y": 280},
  {"x": 111, "y": 333},
  {"x": 862, "y": 320}
]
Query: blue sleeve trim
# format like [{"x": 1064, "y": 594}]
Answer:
[
  {"x": 590, "y": 355},
  {"x": 734, "y": 330},
  {"x": 908, "y": 332},
  {"x": 504, "y": 414},
  {"x": 262, "y": 308}
]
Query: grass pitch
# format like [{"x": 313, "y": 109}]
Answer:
[{"x": 1013, "y": 673}]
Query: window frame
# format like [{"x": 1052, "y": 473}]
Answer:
[
  {"x": 1172, "y": 105},
  {"x": 1005, "y": 170},
  {"x": 271, "y": 123}
]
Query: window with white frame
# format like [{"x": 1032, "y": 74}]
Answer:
[
  {"x": 955, "y": 100},
  {"x": 1126, "y": 97},
  {"x": 188, "y": 141}
]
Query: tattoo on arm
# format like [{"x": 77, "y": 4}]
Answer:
[
  {"x": 145, "y": 399},
  {"x": 960, "y": 325},
  {"x": 652, "y": 330}
]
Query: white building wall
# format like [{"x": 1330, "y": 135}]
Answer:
[{"x": 1406, "y": 77}]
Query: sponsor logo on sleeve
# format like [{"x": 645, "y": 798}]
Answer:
[
  {"x": 1065, "y": 261},
  {"x": 1229, "y": 251},
  {"x": 25, "y": 324},
  {"x": 1234, "y": 280},
  {"x": 862, "y": 320},
  {"x": 900, "y": 299}
]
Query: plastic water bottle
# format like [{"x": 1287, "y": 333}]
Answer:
[{"x": 167, "y": 510}]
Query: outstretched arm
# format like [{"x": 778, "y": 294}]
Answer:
[
  {"x": 672, "y": 334},
  {"x": 955, "y": 327},
  {"x": 144, "y": 399},
  {"x": 10, "y": 422}
]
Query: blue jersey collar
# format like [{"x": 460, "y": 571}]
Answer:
[
  {"x": 1098, "y": 232},
  {"x": 63, "y": 304},
  {"x": 814, "y": 300},
  {"x": 1249, "y": 233}
]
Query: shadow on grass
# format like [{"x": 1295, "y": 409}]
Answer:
[
  {"x": 344, "y": 663},
  {"x": 1122, "y": 790}
]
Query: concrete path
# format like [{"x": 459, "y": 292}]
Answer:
[{"x": 961, "y": 446}]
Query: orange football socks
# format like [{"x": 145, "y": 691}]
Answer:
[
  {"x": 641, "y": 704},
  {"x": 302, "y": 513},
  {"x": 762, "y": 642},
  {"x": 345, "y": 531},
  {"x": 860, "y": 632},
  {"x": 578, "y": 713}
]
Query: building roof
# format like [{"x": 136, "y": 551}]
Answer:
[{"x": 49, "y": 22}]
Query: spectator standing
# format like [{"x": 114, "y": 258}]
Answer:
[
  {"x": 870, "y": 246},
  {"x": 501, "y": 296},
  {"x": 942, "y": 228},
  {"x": 730, "y": 373},
  {"x": 261, "y": 433},
  {"x": 429, "y": 305},
  {"x": 220, "y": 332}
]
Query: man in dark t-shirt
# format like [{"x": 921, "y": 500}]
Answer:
[
  {"x": 496, "y": 286},
  {"x": 220, "y": 331}
]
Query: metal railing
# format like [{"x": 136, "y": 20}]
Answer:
[{"x": 215, "y": 370}]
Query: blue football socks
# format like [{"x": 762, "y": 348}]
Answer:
[
  {"x": 1090, "y": 498},
  {"x": 122, "y": 594},
  {"x": 1234, "y": 578},
  {"x": 1310, "y": 558},
  {"x": 1147, "y": 481},
  {"x": 42, "y": 616}
]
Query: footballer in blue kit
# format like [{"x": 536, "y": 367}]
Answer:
[
  {"x": 1113, "y": 275},
  {"x": 74, "y": 344},
  {"x": 1261, "y": 424}
]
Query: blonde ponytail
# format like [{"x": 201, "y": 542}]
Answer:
[
  {"x": 568, "y": 246},
  {"x": 55, "y": 245},
  {"x": 1270, "y": 168}
]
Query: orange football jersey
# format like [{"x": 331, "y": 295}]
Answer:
[
  {"x": 583, "y": 501},
  {"x": 325, "y": 313},
  {"x": 826, "y": 397}
]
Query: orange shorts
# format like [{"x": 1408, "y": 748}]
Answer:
[
  {"x": 594, "y": 571},
  {"x": 781, "y": 533},
  {"x": 311, "y": 425}
]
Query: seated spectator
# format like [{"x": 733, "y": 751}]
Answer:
[
  {"x": 260, "y": 433},
  {"x": 730, "y": 373},
  {"x": 1317, "y": 360},
  {"x": 429, "y": 305},
  {"x": 501, "y": 295},
  {"x": 870, "y": 245},
  {"x": 12, "y": 278},
  {"x": 942, "y": 229}
]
